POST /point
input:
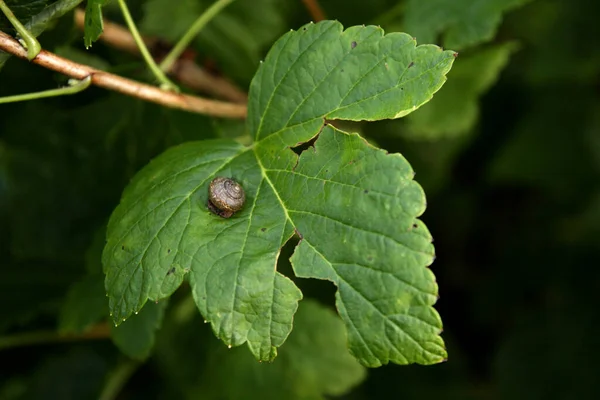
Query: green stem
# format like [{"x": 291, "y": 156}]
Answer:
[
  {"x": 117, "y": 379},
  {"x": 158, "y": 73},
  {"x": 192, "y": 32},
  {"x": 72, "y": 88},
  {"x": 31, "y": 43}
]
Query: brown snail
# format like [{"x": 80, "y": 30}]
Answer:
[{"x": 225, "y": 197}]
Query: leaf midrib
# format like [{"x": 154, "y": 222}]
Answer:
[
  {"x": 166, "y": 222},
  {"x": 262, "y": 117}
]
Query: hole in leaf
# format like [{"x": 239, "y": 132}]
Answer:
[
  {"x": 321, "y": 290},
  {"x": 284, "y": 266},
  {"x": 304, "y": 146}
]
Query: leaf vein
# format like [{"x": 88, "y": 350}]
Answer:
[
  {"x": 262, "y": 118},
  {"x": 360, "y": 229}
]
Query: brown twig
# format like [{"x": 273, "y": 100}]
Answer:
[
  {"x": 314, "y": 9},
  {"x": 123, "y": 85},
  {"x": 185, "y": 71}
]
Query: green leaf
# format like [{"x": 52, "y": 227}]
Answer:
[
  {"x": 93, "y": 22},
  {"x": 136, "y": 336},
  {"x": 455, "y": 110},
  {"x": 359, "y": 227},
  {"x": 313, "y": 363},
  {"x": 37, "y": 16},
  {"x": 462, "y": 23},
  {"x": 85, "y": 304},
  {"x": 43, "y": 20}
]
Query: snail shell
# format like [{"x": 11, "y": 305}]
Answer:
[{"x": 225, "y": 197}]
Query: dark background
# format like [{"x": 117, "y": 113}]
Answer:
[{"x": 513, "y": 205}]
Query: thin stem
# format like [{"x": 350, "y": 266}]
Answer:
[
  {"x": 126, "y": 86},
  {"x": 192, "y": 32},
  {"x": 187, "y": 72},
  {"x": 158, "y": 73},
  {"x": 117, "y": 379},
  {"x": 315, "y": 10},
  {"x": 31, "y": 43},
  {"x": 72, "y": 88},
  {"x": 100, "y": 331}
]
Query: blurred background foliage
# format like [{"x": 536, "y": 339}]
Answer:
[{"x": 508, "y": 153}]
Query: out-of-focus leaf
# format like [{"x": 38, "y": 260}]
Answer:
[
  {"x": 135, "y": 337},
  {"x": 236, "y": 38},
  {"x": 85, "y": 304},
  {"x": 461, "y": 23},
  {"x": 557, "y": 34},
  {"x": 314, "y": 362},
  {"x": 549, "y": 151},
  {"x": 455, "y": 109}
]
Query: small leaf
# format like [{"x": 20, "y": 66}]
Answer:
[
  {"x": 85, "y": 304},
  {"x": 455, "y": 109},
  {"x": 358, "y": 226},
  {"x": 136, "y": 336},
  {"x": 93, "y": 22},
  {"x": 462, "y": 23}
]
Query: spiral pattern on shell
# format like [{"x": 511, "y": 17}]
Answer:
[{"x": 225, "y": 196}]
